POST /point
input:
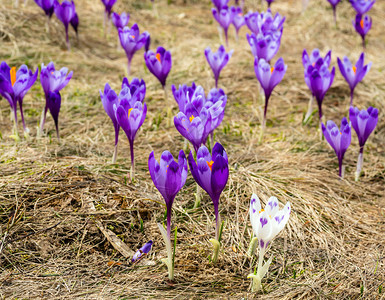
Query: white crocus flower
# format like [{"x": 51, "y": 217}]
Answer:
[{"x": 266, "y": 224}]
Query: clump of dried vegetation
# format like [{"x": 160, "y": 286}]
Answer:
[{"x": 63, "y": 206}]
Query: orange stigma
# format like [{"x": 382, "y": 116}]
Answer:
[
  {"x": 362, "y": 23},
  {"x": 133, "y": 36},
  {"x": 158, "y": 57},
  {"x": 272, "y": 70},
  {"x": 129, "y": 112},
  {"x": 261, "y": 210},
  {"x": 210, "y": 164},
  {"x": 191, "y": 118},
  {"x": 313, "y": 64},
  {"x": 240, "y": 14},
  {"x": 12, "y": 72},
  {"x": 354, "y": 69}
]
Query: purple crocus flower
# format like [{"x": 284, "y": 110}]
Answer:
[
  {"x": 75, "y": 23},
  {"x": 362, "y": 6},
  {"x": 47, "y": 6},
  {"x": 14, "y": 85},
  {"x": 195, "y": 95},
  {"x": 353, "y": 74},
  {"x": 238, "y": 19},
  {"x": 137, "y": 88},
  {"x": 120, "y": 20},
  {"x": 319, "y": 79},
  {"x": 52, "y": 81},
  {"x": 363, "y": 122},
  {"x": 269, "y": 24},
  {"x": 131, "y": 41},
  {"x": 219, "y": 4},
  {"x": 311, "y": 61},
  {"x": 191, "y": 101},
  {"x": 265, "y": 47},
  {"x": 338, "y": 139},
  {"x": 224, "y": 17},
  {"x": 130, "y": 119},
  {"x": 211, "y": 172},
  {"x": 269, "y": 2},
  {"x": 251, "y": 20},
  {"x": 54, "y": 104},
  {"x": 65, "y": 12},
  {"x": 334, "y": 4},
  {"x": 362, "y": 24},
  {"x": 313, "y": 58},
  {"x": 196, "y": 128},
  {"x": 215, "y": 103},
  {"x": 269, "y": 78},
  {"x": 146, "y": 248},
  {"x": 217, "y": 60},
  {"x": 109, "y": 99},
  {"x": 108, "y": 4},
  {"x": 169, "y": 177},
  {"x": 159, "y": 64}
]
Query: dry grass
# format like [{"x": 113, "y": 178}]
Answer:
[{"x": 333, "y": 246}]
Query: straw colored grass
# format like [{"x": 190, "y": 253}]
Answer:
[{"x": 334, "y": 244}]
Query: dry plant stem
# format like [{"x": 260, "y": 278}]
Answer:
[
  {"x": 47, "y": 24},
  {"x": 167, "y": 240},
  {"x": 267, "y": 97},
  {"x": 129, "y": 68},
  {"x": 198, "y": 197},
  {"x": 310, "y": 108},
  {"x": 132, "y": 171},
  {"x": 115, "y": 155},
  {"x": 360, "y": 162},
  {"x": 220, "y": 34},
  {"x": 42, "y": 121}
]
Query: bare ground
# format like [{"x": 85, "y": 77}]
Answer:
[{"x": 52, "y": 246}]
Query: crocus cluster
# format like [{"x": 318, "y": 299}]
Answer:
[
  {"x": 217, "y": 60},
  {"x": 362, "y": 22},
  {"x": 14, "y": 85},
  {"x": 126, "y": 110},
  {"x": 265, "y": 38},
  {"x": 169, "y": 177},
  {"x": 353, "y": 74},
  {"x": 363, "y": 122},
  {"x": 266, "y": 224},
  {"x": 199, "y": 116},
  {"x": 159, "y": 64},
  {"x": 132, "y": 40},
  {"x": 317, "y": 76}
]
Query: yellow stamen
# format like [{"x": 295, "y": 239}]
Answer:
[
  {"x": 354, "y": 69},
  {"x": 129, "y": 112},
  {"x": 313, "y": 64},
  {"x": 12, "y": 72},
  {"x": 362, "y": 23},
  {"x": 210, "y": 164},
  {"x": 272, "y": 70},
  {"x": 261, "y": 210},
  {"x": 133, "y": 36},
  {"x": 158, "y": 57},
  {"x": 191, "y": 118}
]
